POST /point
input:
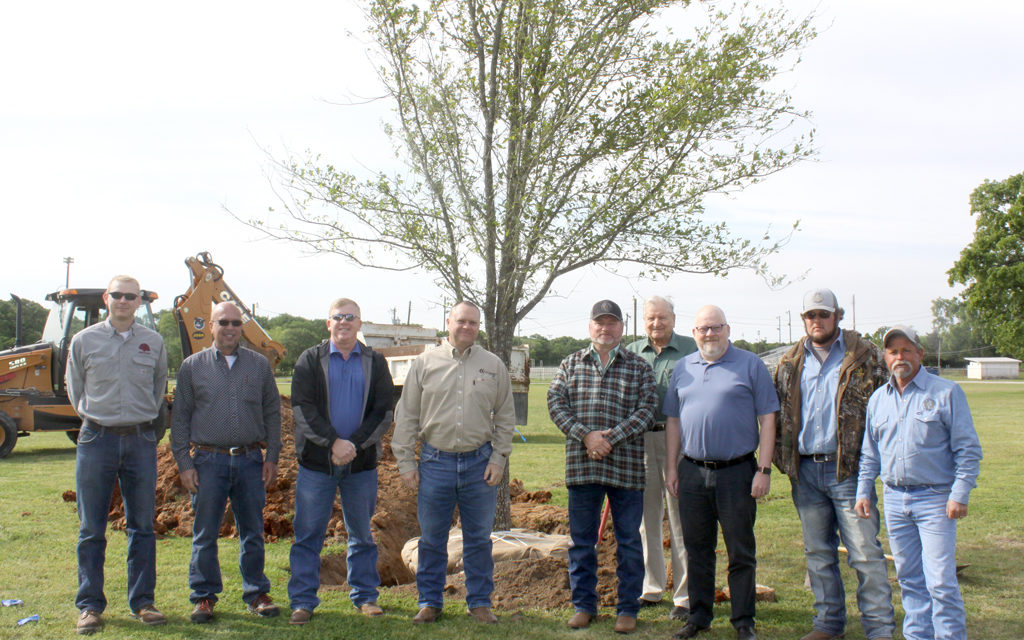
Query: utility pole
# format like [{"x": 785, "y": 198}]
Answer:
[
  {"x": 779, "y": 318},
  {"x": 67, "y": 276},
  {"x": 634, "y": 318},
  {"x": 853, "y": 310},
  {"x": 789, "y": 316},
  {"x": 408, "y": 315}
]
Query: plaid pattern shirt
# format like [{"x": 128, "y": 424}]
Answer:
[{"x": 623, "y": 399}]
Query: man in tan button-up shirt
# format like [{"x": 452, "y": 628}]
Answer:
[{"x": 457, "y": 400}]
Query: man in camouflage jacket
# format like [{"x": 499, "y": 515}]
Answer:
[{"x": 824, "y": 383}]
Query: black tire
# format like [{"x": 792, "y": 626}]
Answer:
[
  {"x": 73, "y": 435},
  {"x": 8, "y": 434}
]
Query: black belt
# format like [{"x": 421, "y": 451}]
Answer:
[
  {"x": 719, "y": 464},
  {"x": 122, "y": 429},
  {"x": 820, "y": 457},
  {"x": 231, "y": 451},
  {"x": 658, "y": 426}
]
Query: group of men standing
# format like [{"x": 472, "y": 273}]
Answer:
[
  {"x": 665, "y": 421},
  {"x": 839, "y": 413}
]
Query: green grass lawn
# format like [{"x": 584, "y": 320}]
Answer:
[{"x": 38, "y": 531}]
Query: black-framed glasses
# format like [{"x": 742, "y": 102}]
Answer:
[
  {"x": 713, "y": 328},
  {"x": 117, "y": 295},
  {"x": 232, "y": 323},
  {"x": 814, "y": 315},
  {"x": 347, "y": 317}
]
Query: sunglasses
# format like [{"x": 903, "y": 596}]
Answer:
[
  {"x": 232, "y": 323},
  {"x": 813, "y": 315},
  {"x": 347, "y": 317},
  {"x": 117, "y": 295}
]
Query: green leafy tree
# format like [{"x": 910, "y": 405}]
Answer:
[
  {"x": 956, "y": 333},
  {"x": 992, "y": 265},
  {"x": 33, "y": 319},
  {"x": 543, "y": 137},
  {"x": 540, "y": 138},
  {"x": 167, "y": 326},
  {"x": 296, "y": 334}
]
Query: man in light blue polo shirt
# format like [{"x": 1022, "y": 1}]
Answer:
[
  {"x": 920, "y": 438},
  {"x": 716, "y": 399}
]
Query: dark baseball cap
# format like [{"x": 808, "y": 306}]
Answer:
[{"x": 606, "y": 308}]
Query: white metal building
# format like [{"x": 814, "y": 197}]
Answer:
[{"x": 992, "y": 368}]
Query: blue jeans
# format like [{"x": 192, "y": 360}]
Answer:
[
  {"x": 449, "y": 479},
  {"x": 240, "y": 478},
  {"x": 706, "y": 498},
  {"x": 923, "y": 542},
  {"x": 314, "y": 501},
  {"x": 826, "y": 514},
  {"x": 627, "y": 507},
  {"x": 102, "y": 457}
]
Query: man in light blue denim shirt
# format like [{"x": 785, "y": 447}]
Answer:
[{"x": 920, "y": 438}]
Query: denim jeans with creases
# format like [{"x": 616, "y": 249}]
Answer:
[
  {"x": 627, "y": 508},
  {"x": 103, "y": 457},
  {"x": 448, "y": 479},
  {"x": 826, "y": 509},
  {"x": 240, "y": 478},
  {"x": 923, "y": 542},
  {"x": 314, "y": 501}
]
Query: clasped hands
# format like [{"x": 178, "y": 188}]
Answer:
[{"x": 597, "y": 444}]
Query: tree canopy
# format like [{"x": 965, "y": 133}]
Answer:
[
  {"x": 33, "y": 319},
  {"x": 992, "y": 265},
  {"x": 539, "y": 138}
]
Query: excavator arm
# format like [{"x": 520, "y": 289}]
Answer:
[{"x": 192, "y": 311}]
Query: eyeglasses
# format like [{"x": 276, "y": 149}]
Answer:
[
  {"x": 232, "y": 323},
  {"x": 814, "y": 315},
  {"x": 347, "y": 317},
  {"x": 713, "y": 328},
  {"x": 117, "y": 295}
]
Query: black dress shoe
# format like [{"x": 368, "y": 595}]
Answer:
[
  {"x": 689, "y": 631},
  {"x": 745, "y": 633},
  {"x": 679, "y": 613}
]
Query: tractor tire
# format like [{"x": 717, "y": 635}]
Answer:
[
  {"x": 73, "y": 435},
  {"x": 8, "y": 434}
]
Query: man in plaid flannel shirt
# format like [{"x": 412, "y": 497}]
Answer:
[{"x": 604, "y": 399}]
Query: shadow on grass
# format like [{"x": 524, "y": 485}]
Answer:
[
  {"x": 542, "y": 438},
  {"x": 40, "y": 454}
]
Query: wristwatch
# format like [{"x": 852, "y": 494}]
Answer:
[{"x": 766, "y": 470}]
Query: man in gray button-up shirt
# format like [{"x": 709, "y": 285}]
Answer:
[
  {"x": 116, "y": 378},
  {"x": 226, "y": 407}
]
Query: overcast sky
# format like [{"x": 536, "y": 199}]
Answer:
[{"x": 126, "y": 128}]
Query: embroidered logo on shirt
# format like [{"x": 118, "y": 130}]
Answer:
[
  {"x": 929, "y": 404},
  {"x": 144, "y": 347}
]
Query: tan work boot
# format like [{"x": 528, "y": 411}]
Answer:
[
  {"x": 427, "y": 615},
  {"x": 149, "y": 615},
  {"x": 483, "y": 614},
  {"x": 88, "y": 621},
  {"x": 625, "y": 624},
  {"x": 820, "y": 635},
  {"x": 581, "y": 620},
  {"x": 371, "y": 609}
]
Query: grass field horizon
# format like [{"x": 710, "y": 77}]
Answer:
[{"x": 38, "y": 532}]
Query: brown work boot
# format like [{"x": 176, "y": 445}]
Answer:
[
  {"x": 300, "y": 616},
  {"x": 88, "y": 621},
  {"x": 820, "y": 635},
  {"x": 625, "y": 624},
  {"x": 483, "y": 614},
  {"x": 427, "y": 615},
  {"x": 203, "y": 611},
  {"x": 263, "y": 606},
  {"x": 149, "y": 615},
  {"x": 371, "y": 609},
  {"x": 581, "y": 620}
]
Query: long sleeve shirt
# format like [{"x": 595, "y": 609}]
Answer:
[
  {"x": 455, "y": 403},
  {"x": 620, "y": 397},
  {"x": 113, "y": 380},
  {"x": 664, "y": 362},
  {"x": 924, "y": 436},
  {"x": 221, "y": 406}
]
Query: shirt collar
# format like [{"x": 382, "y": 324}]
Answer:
[
  {"x": 840, "y": 342},
  {"x": 114, "y": 330},
  {"x": 675, "y": 342},
  {"x": 611, "y": 354},
  {"x": 698, "y": 358},
  {"x": 355, "y": 349},
  {"x": 920, "y": 380}
]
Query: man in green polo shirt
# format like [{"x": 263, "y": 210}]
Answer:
[{"x": 662, "y": 348}]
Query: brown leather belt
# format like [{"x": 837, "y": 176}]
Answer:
[
  {"x": 230, "y": 451},
  {"x": 820, "y": 457}
]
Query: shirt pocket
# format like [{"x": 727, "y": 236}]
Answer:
[
  {"x": 143, "y": 367},
  {"x": 927, "y": 431}
]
